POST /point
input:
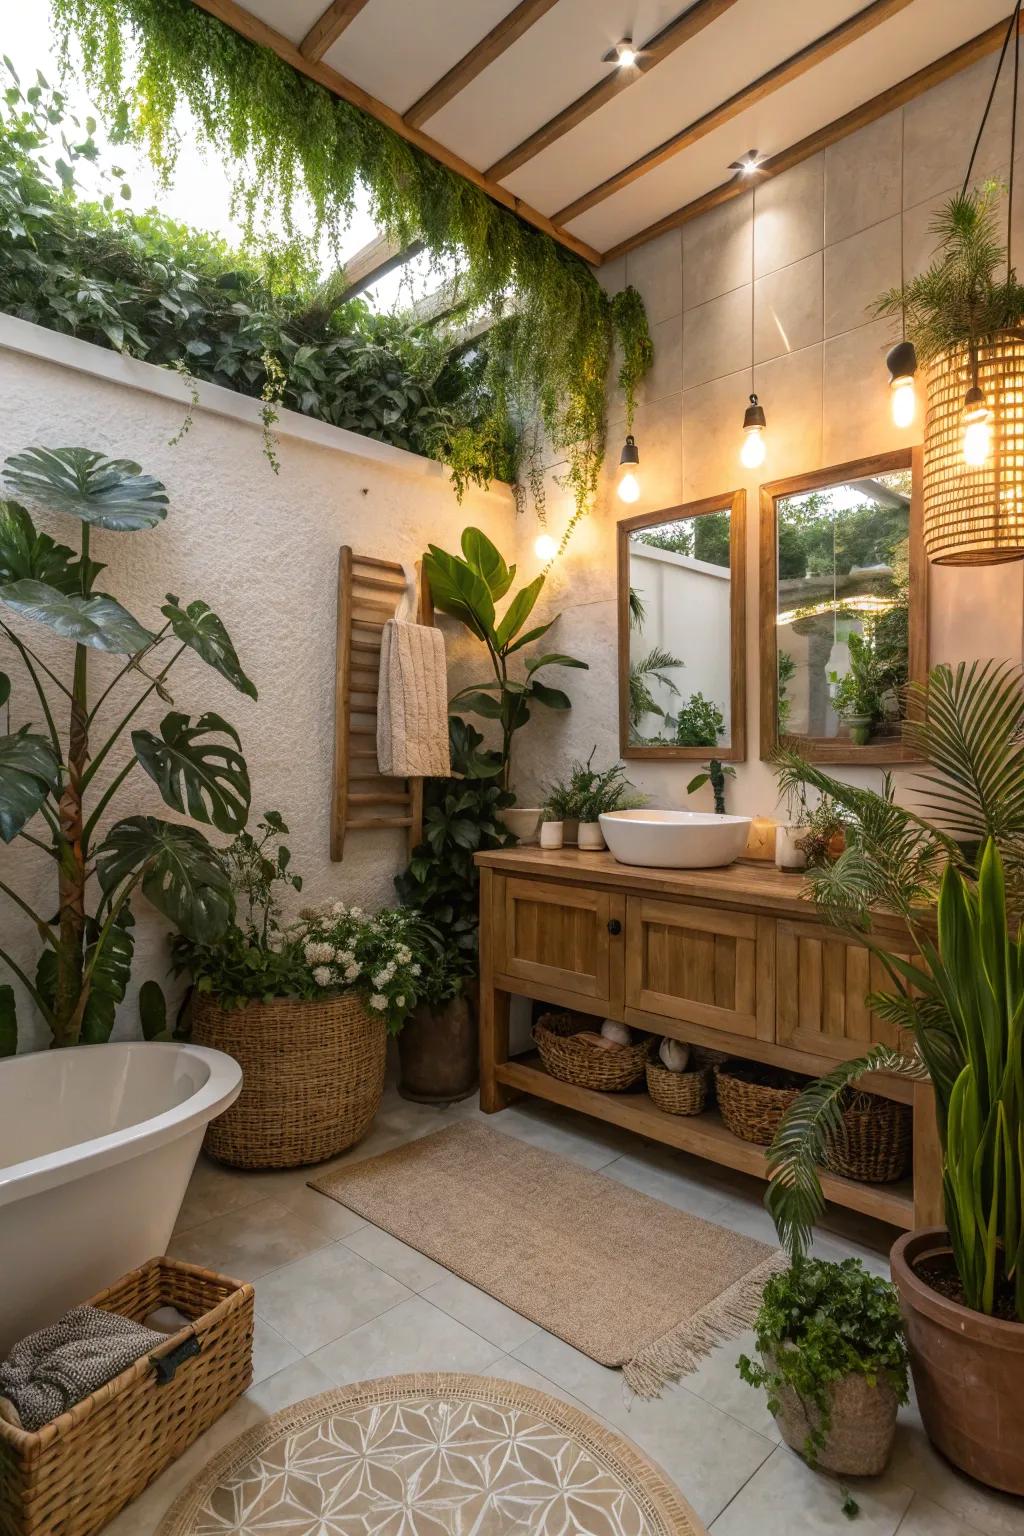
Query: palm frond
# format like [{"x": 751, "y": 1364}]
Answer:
[{"x": 652, "y": 667}]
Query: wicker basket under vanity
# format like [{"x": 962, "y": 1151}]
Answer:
[
  {"x": 312, "y": 1077},
  {"x": 587, "y": 1066},
  {"x": 874, "y": 1144},
  {"x": 677, "y": 1093},
  {"x": 753, "y": 1099},
  {"x": 71, "y": 1477}
]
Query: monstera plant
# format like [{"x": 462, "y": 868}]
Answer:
[{"x": 56, "y": 787}]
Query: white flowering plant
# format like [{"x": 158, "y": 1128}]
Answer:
[{"x": 381, "y": 954}]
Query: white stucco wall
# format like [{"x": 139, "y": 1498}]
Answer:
[
  {"x": 262, "y": 550},
  {"x": 687, "y": 613}
]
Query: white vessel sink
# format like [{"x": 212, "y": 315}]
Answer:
[{"x": 675, "y": 839}]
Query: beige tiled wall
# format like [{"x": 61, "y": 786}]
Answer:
[{"x": 773, "y": 292}]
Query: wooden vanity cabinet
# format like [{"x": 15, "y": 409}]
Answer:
[{"x": 734, "y": 958}]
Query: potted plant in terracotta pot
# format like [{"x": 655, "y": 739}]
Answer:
[
  {"x": 859, "y": 696},
  {"x": 833, "y": 1363},
  {"x": 961, "y": 1002}
]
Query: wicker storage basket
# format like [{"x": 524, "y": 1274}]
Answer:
[
  {"x": 312, "y": 1077},
  {"x": 677, "y": 1093},
  {"x": 586, "y": 1065},
  {"x": 874, "y": 1144},
  {"x": 753, "y": 1099},
  {"x": 72, "y": 1476}
]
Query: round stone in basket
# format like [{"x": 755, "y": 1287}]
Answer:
[{"x": 590, "y": 1061}]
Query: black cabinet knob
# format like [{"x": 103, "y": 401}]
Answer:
[{"x": 614, "y": 926}]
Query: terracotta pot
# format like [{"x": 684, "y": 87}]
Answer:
[
  {"x": 438, "y": 1051},
  {"x": 862, "y": 1428},
  {"x": 968, "y": 1371}
]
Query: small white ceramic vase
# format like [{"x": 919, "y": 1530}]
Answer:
[
  {"x": 788, "y": 855},
  {"x": 590, "y": 836},
  {"x": 551, "y": 834}
]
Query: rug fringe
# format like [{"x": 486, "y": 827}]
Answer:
[{"x": 681, "y": 1350}]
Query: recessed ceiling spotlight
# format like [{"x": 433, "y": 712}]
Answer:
[
  {"x": 623, "y": 54},
  {"x": 748, "y": 163}
]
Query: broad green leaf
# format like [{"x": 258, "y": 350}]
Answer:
[
  {"x": 26, "y": 553},
  {"x": 518, "y": 611},
  {"x": 479, "y": 703},
  {"x": 109, "y": 979},
  {"x": 486, "y": 560},
  {"x": 457, "y": 589},
  {"x": 5, "y": 688},
  {"x": 152, "y": 1010},
  {"x": 98, "y": 621},
  {"x": 197, "y": 626},
  {"x": 8, "y": 1021},
  {"x": 555, "y": 659},
  {"x": 28, "y": 770},
  {"x": 531, "y": 635},
  {"x": 554, "y": 698},
  {"x": 184, "y": 877},
  {"x": 109, "y": 493},
  {"x": 207, "y": 779}
]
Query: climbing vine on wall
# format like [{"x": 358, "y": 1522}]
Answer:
[{"x": 548, "y": 358}]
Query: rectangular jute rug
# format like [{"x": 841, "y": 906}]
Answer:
[{"x": 627, "y": 1280}]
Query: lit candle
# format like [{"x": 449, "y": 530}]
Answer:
[{"x": 761, "y": 838}]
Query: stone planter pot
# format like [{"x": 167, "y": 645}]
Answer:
[
  {"x": 439, "y": 1053},
  {"x": 312, "y": 1077},
  {"x": 859, "y": 727},
  {"x": 863, "y": 1424},
  {"x": 523, "y": 822},
  {"x": 590, "y": 836},
  {"x": 968, "y": 1371}
]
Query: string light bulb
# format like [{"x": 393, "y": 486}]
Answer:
[
  {"x": 902, "y": 365},
  {"x": 752, "y": 454},
  {"x": 629, "y": 459},
  {"x": 545, "y": 547},
  {"x": 977, "y": 439}
]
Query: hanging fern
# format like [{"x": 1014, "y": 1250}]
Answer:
[{"x": 286, "y": 137}]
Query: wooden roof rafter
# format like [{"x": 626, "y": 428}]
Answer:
[
  {"x": 328, "y": 27},
  {"x": 500, "y": 38}
]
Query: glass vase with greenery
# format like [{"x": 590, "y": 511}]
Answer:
[{"x": 69, "y": 783}]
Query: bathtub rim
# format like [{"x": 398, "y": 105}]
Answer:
[{"x": 38, "y": 1174}]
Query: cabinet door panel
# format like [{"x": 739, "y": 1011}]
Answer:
[
  {"x": 823, "y": 979},
  {"x": 695, "y": 964},
  {"x": 558, "y": 937}
]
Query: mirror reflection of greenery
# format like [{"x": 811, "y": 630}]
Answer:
[{"x": 702, "y": 538}]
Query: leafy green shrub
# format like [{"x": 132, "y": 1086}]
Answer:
[{"x": 699, "y": 723}]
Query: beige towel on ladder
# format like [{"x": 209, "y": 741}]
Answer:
[{"x": 412, "y": 702}]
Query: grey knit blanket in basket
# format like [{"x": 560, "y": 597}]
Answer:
[{"x": 53, "y": 1369}]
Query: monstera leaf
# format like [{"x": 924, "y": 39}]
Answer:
[
  {"x": 98, "y": 621},
  {"x": 28, "y": 769},
  {"x": 26, "y": 554},
  {"x": 197, "y": 626},
  {"x": 109, "y": 493},
  {"x": 109, "y": 979},
  {"x": 182, "y": 875},
  {"x": 208, "y": 779}
]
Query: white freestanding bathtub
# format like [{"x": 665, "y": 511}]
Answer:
[{"x": 97, "y": 1144}]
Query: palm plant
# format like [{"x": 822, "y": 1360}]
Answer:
[
  {"x": 654, "y": 667},
  {"x": 961, "y": 1000},
  {"x": 69, "y": 785}
]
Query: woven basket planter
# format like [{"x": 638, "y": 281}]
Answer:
[
  {"x": 862, "y": 1429},
  {"x": 71, "y": 1477},
  {"x": 975, "y": 516},
  {"x": 677, "y": 1093},
  {"x": 875, "y": 1141},
  {"x": 312, "y": 1077},
  {"x": 753, "y": 1099},
  {"x": 587, "y": 1066}
]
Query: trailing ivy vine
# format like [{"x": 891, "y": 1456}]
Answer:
[{"x": 547, "y": 358}]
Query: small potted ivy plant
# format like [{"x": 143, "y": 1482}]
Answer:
[{"x": 833, "y": 1363}]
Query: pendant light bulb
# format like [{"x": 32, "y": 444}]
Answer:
[
  {"x": 629, "y": 459},
  {"x": 902, "y": 365},
  {"x": 977, "y": 439},
  {"x": 754, "y": 449},
  {"x": 545, "y": 548}
]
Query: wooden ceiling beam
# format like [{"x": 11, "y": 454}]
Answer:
[
  {"x": 915, "y": 85},
  {"x": 700, "y": 15},
  {"x": 375, "y": 260},
  {"x": 327, "y": 28},
  {"x": 825, "y": 47},
  {"x": 249, "y": 26},
  {"x": 501, "y": 37}
]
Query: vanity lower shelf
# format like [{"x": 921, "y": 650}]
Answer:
[{"x": 703, "y": 1135}]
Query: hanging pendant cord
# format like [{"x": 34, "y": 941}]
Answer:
[{"x": 1011, "y": 29}]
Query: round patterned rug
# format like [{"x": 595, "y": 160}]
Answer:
[{"x": 432, "y": 1455}]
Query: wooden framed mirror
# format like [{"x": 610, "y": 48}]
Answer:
[
  {"x": 682, "y": 623},
  {"x": 844, "y": 608}
]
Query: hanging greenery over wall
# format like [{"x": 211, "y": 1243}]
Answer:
[{"x": 144, "y": 59}]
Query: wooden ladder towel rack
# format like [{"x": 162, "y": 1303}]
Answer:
[{"x": 362, "y": 798}]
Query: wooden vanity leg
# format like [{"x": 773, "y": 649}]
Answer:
[
  {"x": 928, "y": 1205},
  {"x": 494, "y": 1006}
]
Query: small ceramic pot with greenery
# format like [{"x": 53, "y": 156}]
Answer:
[
  {"x": 601, "y": 791},
  {"x": 833, "y": 1363}
]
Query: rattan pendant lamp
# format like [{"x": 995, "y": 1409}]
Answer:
[{"x": 974, "y": 426}]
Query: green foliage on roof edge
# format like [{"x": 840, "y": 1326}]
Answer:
[{"x": 549, "y": 354}]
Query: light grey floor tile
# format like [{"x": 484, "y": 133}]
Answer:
[
  {"x": 718, "y": 1381},
  {"x": 322, "y": 1212},
  {"x": 270, "y": 1352},
  {"x": 412, "y": 1337},
  {"x": 396, "y": 1258},
  {"x": 325, "y": 1295},
  {"x": 486, "y": 1316},
  {"x": 916, "y": 1462},
  {"x": 213, "y": 1191},
  {"x": 508, "y": 1368},
  {"x": 588, "y": 1142},
  {"x": 924, "y": 1518},
  {"x": 785, "y": 1498},
  {"x": 673, "y": 1178},
  {"x": 298, "y": 1381},
  {"x": 249, "y": 1242}
]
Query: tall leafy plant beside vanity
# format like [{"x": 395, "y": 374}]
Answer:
[{"x": 61, "y": 771}]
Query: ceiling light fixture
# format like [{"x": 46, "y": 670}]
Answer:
[
  {"x": 748, "y": 163},
  {"x": 977, "y": 439},
  {"x": 752, "y": 454},
  {"x": 629, "y": 459},
  {"x": 901, "y": 362},
  {"x": 623, "y": 54}
]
